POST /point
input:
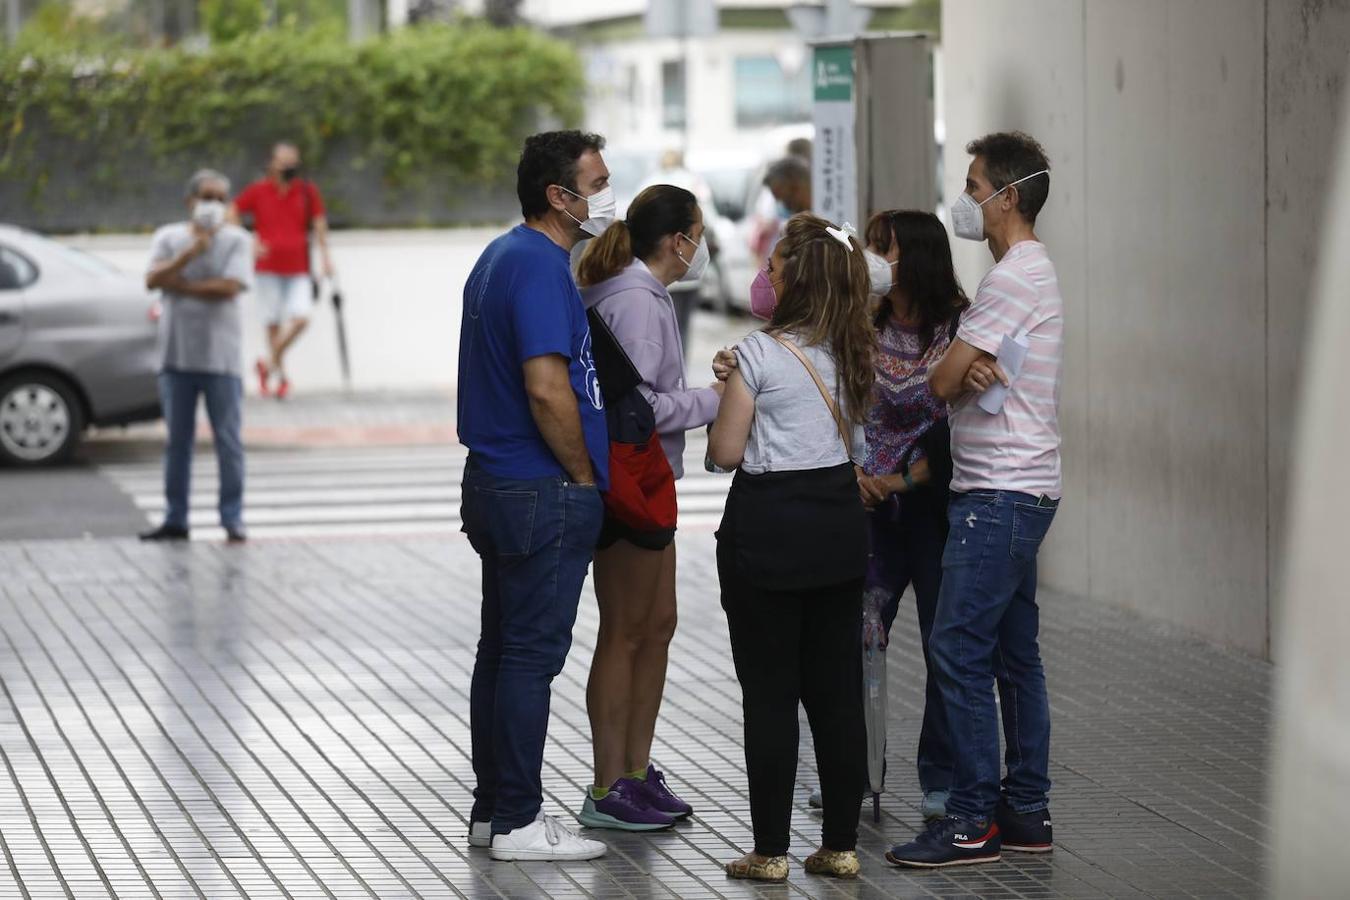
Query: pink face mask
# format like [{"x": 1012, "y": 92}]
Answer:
[{"x": 763, "y": 298}]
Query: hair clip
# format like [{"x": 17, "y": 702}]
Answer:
[{"x": 840, "y": 235}]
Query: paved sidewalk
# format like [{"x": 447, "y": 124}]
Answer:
[{"x": 291, "y": 719}]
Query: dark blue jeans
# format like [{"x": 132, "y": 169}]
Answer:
[
  {"x": 536, "y": 539},
  {"x": 908, "y": 540},
  {"x": 178, "y": 394},
  {"x": 986, "y": 630}
]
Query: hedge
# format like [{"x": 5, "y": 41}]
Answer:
[{"x": 449, "y": 102}]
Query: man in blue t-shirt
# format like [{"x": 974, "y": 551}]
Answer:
[{"x": 532, "y": 416}]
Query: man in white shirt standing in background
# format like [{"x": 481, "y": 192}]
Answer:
[{"x": 201, "y": 266}]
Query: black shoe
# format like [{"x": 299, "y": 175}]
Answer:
[
  {"x": 1025, "y": 832},
  {"x": 949, "y": 842},
  {"x": 235, "y": 536},
  {"x": 165, "y": 533}
]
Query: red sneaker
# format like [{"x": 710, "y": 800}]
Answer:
[
  {"x": 283, "y": 389},
  {"x": 263, "y": 373}
]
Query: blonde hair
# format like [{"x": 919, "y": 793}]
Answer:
[
  {"x": 824, "y": 300},
  {"x": 657, "y": 212}
]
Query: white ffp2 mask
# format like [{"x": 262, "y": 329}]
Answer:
[{"x": 968, "y": 213}]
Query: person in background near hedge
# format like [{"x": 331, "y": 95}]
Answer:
[
  {"x": 284, "y": 208},
  {"x": 625, "y": 276},
  {"x": 532, "y": 414},
  {"x": 201, "y": 266}
]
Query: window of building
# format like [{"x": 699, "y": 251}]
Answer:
[
  {"x": 766, "y": 95},
  {"x": 673, "y": 94}
]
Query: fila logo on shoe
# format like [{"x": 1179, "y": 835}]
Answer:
[{"x": 965, "y": 842}]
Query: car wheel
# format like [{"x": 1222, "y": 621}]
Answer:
[{"x": 40, "y": 420}]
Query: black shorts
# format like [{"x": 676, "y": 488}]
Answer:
[{"x": 613, "y": 531}]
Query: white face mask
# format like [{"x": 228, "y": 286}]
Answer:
[
  {"x": 600, "y": 209},
  {"x": 208, "y": 214},
  {"x": 968, "y": 214},
  {"x": 699, "y": 263},
  {"x": 879, "y": 270}
]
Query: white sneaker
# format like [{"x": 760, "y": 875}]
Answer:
[
  {"x": 480, "y": 834},
  {"x": 545, "y": 839}
]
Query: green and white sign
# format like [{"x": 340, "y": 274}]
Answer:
[
  {"x": 833, "y": 74},
  {"x": 834, "y": 165}
]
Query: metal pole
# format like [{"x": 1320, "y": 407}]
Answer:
[
  {"x": 357, "y": 24},
  {"x": 685, "y": 72},
  {"x": 13, "y": 20}
]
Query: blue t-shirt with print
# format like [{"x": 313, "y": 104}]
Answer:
[{"x": 520, "y": 302}]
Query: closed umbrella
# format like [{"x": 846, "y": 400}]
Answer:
[
  {"x": 874, "y": 693},
  {"x": 341, "y": 321}
]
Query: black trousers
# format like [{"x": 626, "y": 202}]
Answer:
[{"x": 794, "y": 647}]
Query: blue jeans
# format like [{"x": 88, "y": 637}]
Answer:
[
  {"x": 986, "y": 631},
  {"x": 536, "y": 539},
  {"x": 178, "y": 393}
]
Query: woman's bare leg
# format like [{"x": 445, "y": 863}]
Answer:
[{"x": 626, "y": 583}]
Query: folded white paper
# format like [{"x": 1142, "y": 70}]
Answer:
[{"x": 1011, "y": 355}]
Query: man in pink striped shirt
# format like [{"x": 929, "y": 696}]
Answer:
[{"x": 1005, "y": 491}]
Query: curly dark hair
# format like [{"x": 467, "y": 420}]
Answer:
[
  {"x": 1010, "y": 156},
  {"x": 550, "y": 158}
]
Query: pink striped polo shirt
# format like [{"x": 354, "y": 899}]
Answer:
[{"x": 1018, "y": 449}]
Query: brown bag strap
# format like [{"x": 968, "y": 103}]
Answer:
[{"x": 824, "y": 392}]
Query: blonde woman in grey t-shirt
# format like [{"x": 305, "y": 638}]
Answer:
[{"x": 792, "y": 547}]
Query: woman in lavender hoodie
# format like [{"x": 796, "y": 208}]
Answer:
[{"x": 624, "y": 275}]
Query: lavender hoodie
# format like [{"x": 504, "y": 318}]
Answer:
[{"x": 637, "y": 308}]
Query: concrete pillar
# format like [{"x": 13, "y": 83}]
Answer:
[{"x": 1312, "y": 771}]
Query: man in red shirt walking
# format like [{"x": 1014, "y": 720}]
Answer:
[{"x": 284, "y": 208}]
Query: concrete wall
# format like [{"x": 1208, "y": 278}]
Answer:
[
  {"x": 1184, "y": 323},
  {"x": 1306, "y": 43},
  {"x": 1312, "y": 771}
]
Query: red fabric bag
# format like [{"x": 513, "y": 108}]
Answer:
[
  {"x": 641, "y": 486},
  {"x": 641, "y": 495}
]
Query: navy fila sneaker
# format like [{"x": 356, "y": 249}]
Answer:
[
  {"x": 1025, "y": 832},
  {"x": 949, "y": 842}
]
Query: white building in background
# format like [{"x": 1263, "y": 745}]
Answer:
[{"x": 745, "y": 85}]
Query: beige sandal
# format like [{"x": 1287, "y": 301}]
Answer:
[
  {"x": 834, "y": 863},
  {"x": 754, "y": 867}
]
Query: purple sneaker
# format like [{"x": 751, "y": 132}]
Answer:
[
  {"x": 626, "y": 807},
  {"x": 662, "y": 797}
]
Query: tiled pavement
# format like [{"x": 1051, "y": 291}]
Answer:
[{"x": 291, "y": 719}]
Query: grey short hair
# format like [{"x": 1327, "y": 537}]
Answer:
[
  {"x": 787, "y": 170},
  {"x": 201, "y": 177}
]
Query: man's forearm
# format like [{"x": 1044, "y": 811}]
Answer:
[
  {"x": 321, "y": 238},
  {"x": 161, "y": 276},
  {"x": 559, "y": 421},
  {"x": 205, "y": 289}
]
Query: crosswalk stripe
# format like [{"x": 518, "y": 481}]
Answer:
[{"x": 361, "y": 491}]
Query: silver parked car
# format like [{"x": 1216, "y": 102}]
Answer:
[{"x": 77, "y": 348}]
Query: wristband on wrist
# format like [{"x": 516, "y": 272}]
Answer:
[{"x": 909, "y": 482}]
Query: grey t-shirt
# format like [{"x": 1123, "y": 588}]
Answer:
[
  {"x": 197, "y": 335},
  {"x": 793, "y": 429}
]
